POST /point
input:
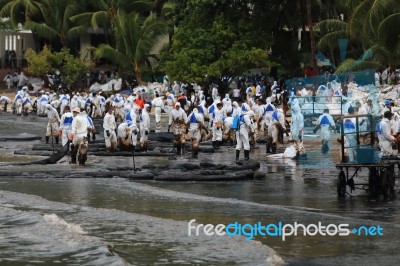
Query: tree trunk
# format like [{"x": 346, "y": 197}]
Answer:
[
  {"x": 312, "y": 38},
  {"x": 138, "y": 73}
]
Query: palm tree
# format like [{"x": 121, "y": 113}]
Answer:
[
  {"x": 19, "y": 11},
  {"x": 371, "y": 28},
  {"x": 134, "y": 38},
  {"x": 102, "y": 13},
  {"x": 56, "y": 25}
]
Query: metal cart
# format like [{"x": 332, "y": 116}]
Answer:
[{"x": 358, "y": 151}]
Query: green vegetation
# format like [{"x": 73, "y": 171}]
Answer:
[
  {"x": 211, "y": 38},
  {"x": 71, "y": 68}
]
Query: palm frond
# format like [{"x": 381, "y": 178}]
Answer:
[
  {"x": 387, "y": 31},
  {"x": 330, "y": 40},
  {"x": 137, "y": 5},
  {"x": 330, "y": 25},
  {"x": 75, "y": 32},
  {"x": 99, "y": 19},
  {"x": 42, "y": 30},
  {"x": 108, "y": 52},
  {"x": 350, "y": 65}
]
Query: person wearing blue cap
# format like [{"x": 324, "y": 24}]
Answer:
[{"x": 387, "y": 107}]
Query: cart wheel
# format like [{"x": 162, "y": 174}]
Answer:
[
  {"x": 392, "y": 180},
  {"x": 387, "y": 182},
  {"x": 372, "y": 182},
  {"x": 341, "y": 184}
]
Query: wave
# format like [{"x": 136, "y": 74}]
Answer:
[
  {"x": 277, "y": 211},
  {"x": 73, "y": 234}
]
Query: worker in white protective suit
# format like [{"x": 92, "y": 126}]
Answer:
[
  {"x": 130, "y": 119},
  {"x": 44, "y": 99},
  {"x": 78, "y": 136},
  {"x": 216, "y": 117},
  {"x": 170, "y": 102},
  {"x": 296, "y": 128},
  {"x": 52, "y": 124},
  {"x": 110, "y": 126},
  {"x": 96, "y": 108},
  {"x": 6, "y": 101},
  {"x": 228, "y": 133},
  {"x": 65, "y": 125},
  {"x": 26, "y": 105},
  {"x": 178, "y": 120},
  {"x": 323, "y": 93},
  {"x": 144, "y": 123},
  {"x": 325, "y": 124},
  {"x": 74, "y": 102},
  {"x": 236, "y": 109},
  {"x": 242, "y": 135},
  {"x": 18, "y": 103},
  {"x": 384, "y": 135},
  {"x": 276, "y": 128},
  {"x": 195, "y": 122},
  {"x": 266, "y": 119},
  {"x": 214, "y": 93},
  {"x": 350, "y": 137},
  {"x": 227, "y": 102},
  {"x": 64, "y": 102},
  {"x": 158, "y": 104},
  {"x": 124, "y": 137}
]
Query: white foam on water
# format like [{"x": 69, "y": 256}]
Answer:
[
  {"x": 57, "y": 221},
  {"x": 28, "y": 235},
  {"x": 138, "y": 233}
]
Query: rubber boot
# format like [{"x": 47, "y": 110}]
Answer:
[
  {"x": 5, "y": 107},
  {"x": 268, "y": 147},
  {"x": 93, "y": 138},
  {"x": 273, "y": 148},
  {"x": 73, "y": 159},
  {"x": 73, "y": 154},
  {"x": 214, "y": 144},
  {"x": 280, "y": 136},
  {"x": 178, "y": 149},
  {"x": 246, "y": 154},
  {"x": 219, "y": 143},
  {"x": 195, "y": 153},
  {"x": 237, "y": 155},
  {"x": 47, "y": 139},
  {"x": 398, "y": 148},
  {"x": 56, "y": 139},
  {"x": 84, "y": 159}
]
